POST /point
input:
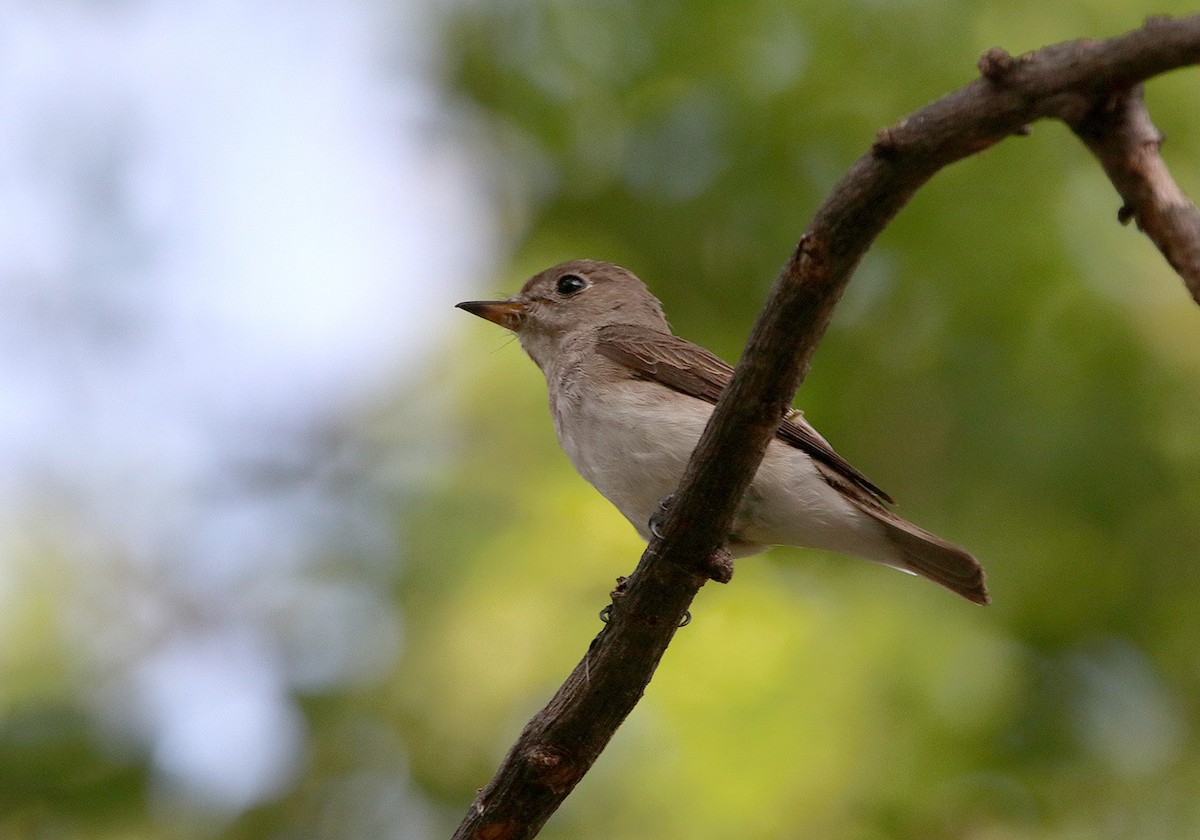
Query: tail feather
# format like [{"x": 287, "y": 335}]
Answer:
[
  {"x": 936, "y": 559},
  {"x": 920, "y": 552}
]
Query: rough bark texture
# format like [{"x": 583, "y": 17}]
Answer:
[
  {"x": 1121, "y": 136},
  {"x": 1093, "y": 86}
]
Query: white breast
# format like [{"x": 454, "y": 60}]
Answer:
[{"x": 631, "y": 440}]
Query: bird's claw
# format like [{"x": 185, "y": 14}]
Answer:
[
  {"x": 656, "y": 519},
  {"x": 606, "y": 616}
]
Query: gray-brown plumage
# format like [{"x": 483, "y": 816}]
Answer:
[{"x": 629, "y": 400}]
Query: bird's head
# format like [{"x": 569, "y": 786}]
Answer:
[{"x": 569, "y": 300}]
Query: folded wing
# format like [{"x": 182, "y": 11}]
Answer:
[{"x": 690, "y": 369}]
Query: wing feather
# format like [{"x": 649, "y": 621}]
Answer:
[{"x": 690, "y": 369}]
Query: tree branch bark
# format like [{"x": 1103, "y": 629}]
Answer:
[
  {"x": 1077, "y": 82},
  {"x": 1120, "y": 134}
]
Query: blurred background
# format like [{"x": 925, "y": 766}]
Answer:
[{"x": 287, "y": 547}]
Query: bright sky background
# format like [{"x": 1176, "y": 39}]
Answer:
[{"x": 225, "y": 225}]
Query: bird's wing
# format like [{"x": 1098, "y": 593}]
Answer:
[{"x": 690, "y": 369}]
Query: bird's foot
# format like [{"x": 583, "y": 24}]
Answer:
[
  {"x": 618, "y": 592},
  {"x": 719, "y": 565},
  {"x": 615, "y": 595},
  {"x": 660, "y": 515},
  {"x": 606, "y": 616}
]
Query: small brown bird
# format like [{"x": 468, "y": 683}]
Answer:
[{"x": 629, "y": 401}]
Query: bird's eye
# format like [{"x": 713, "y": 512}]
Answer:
[{"x": 569, "y": 284}]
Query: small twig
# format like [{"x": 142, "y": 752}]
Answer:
[
  {"x": 1119, "y": 132},
  {"x": 1066, "y": 81}
]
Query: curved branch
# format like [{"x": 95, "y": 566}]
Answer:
[{"x": 1067, "y": 81}]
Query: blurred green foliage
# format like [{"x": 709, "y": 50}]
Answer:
[{"x": 1021, "y": 372}]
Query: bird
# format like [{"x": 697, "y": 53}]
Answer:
[{"x": 629, "y": 400}]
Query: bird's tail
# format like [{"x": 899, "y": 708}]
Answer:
[{"x": 934, "y": 558}]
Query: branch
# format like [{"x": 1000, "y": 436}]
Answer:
[
  {"x": 1068, "y": 81},
  {"x": 1122, "y": 137}
]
